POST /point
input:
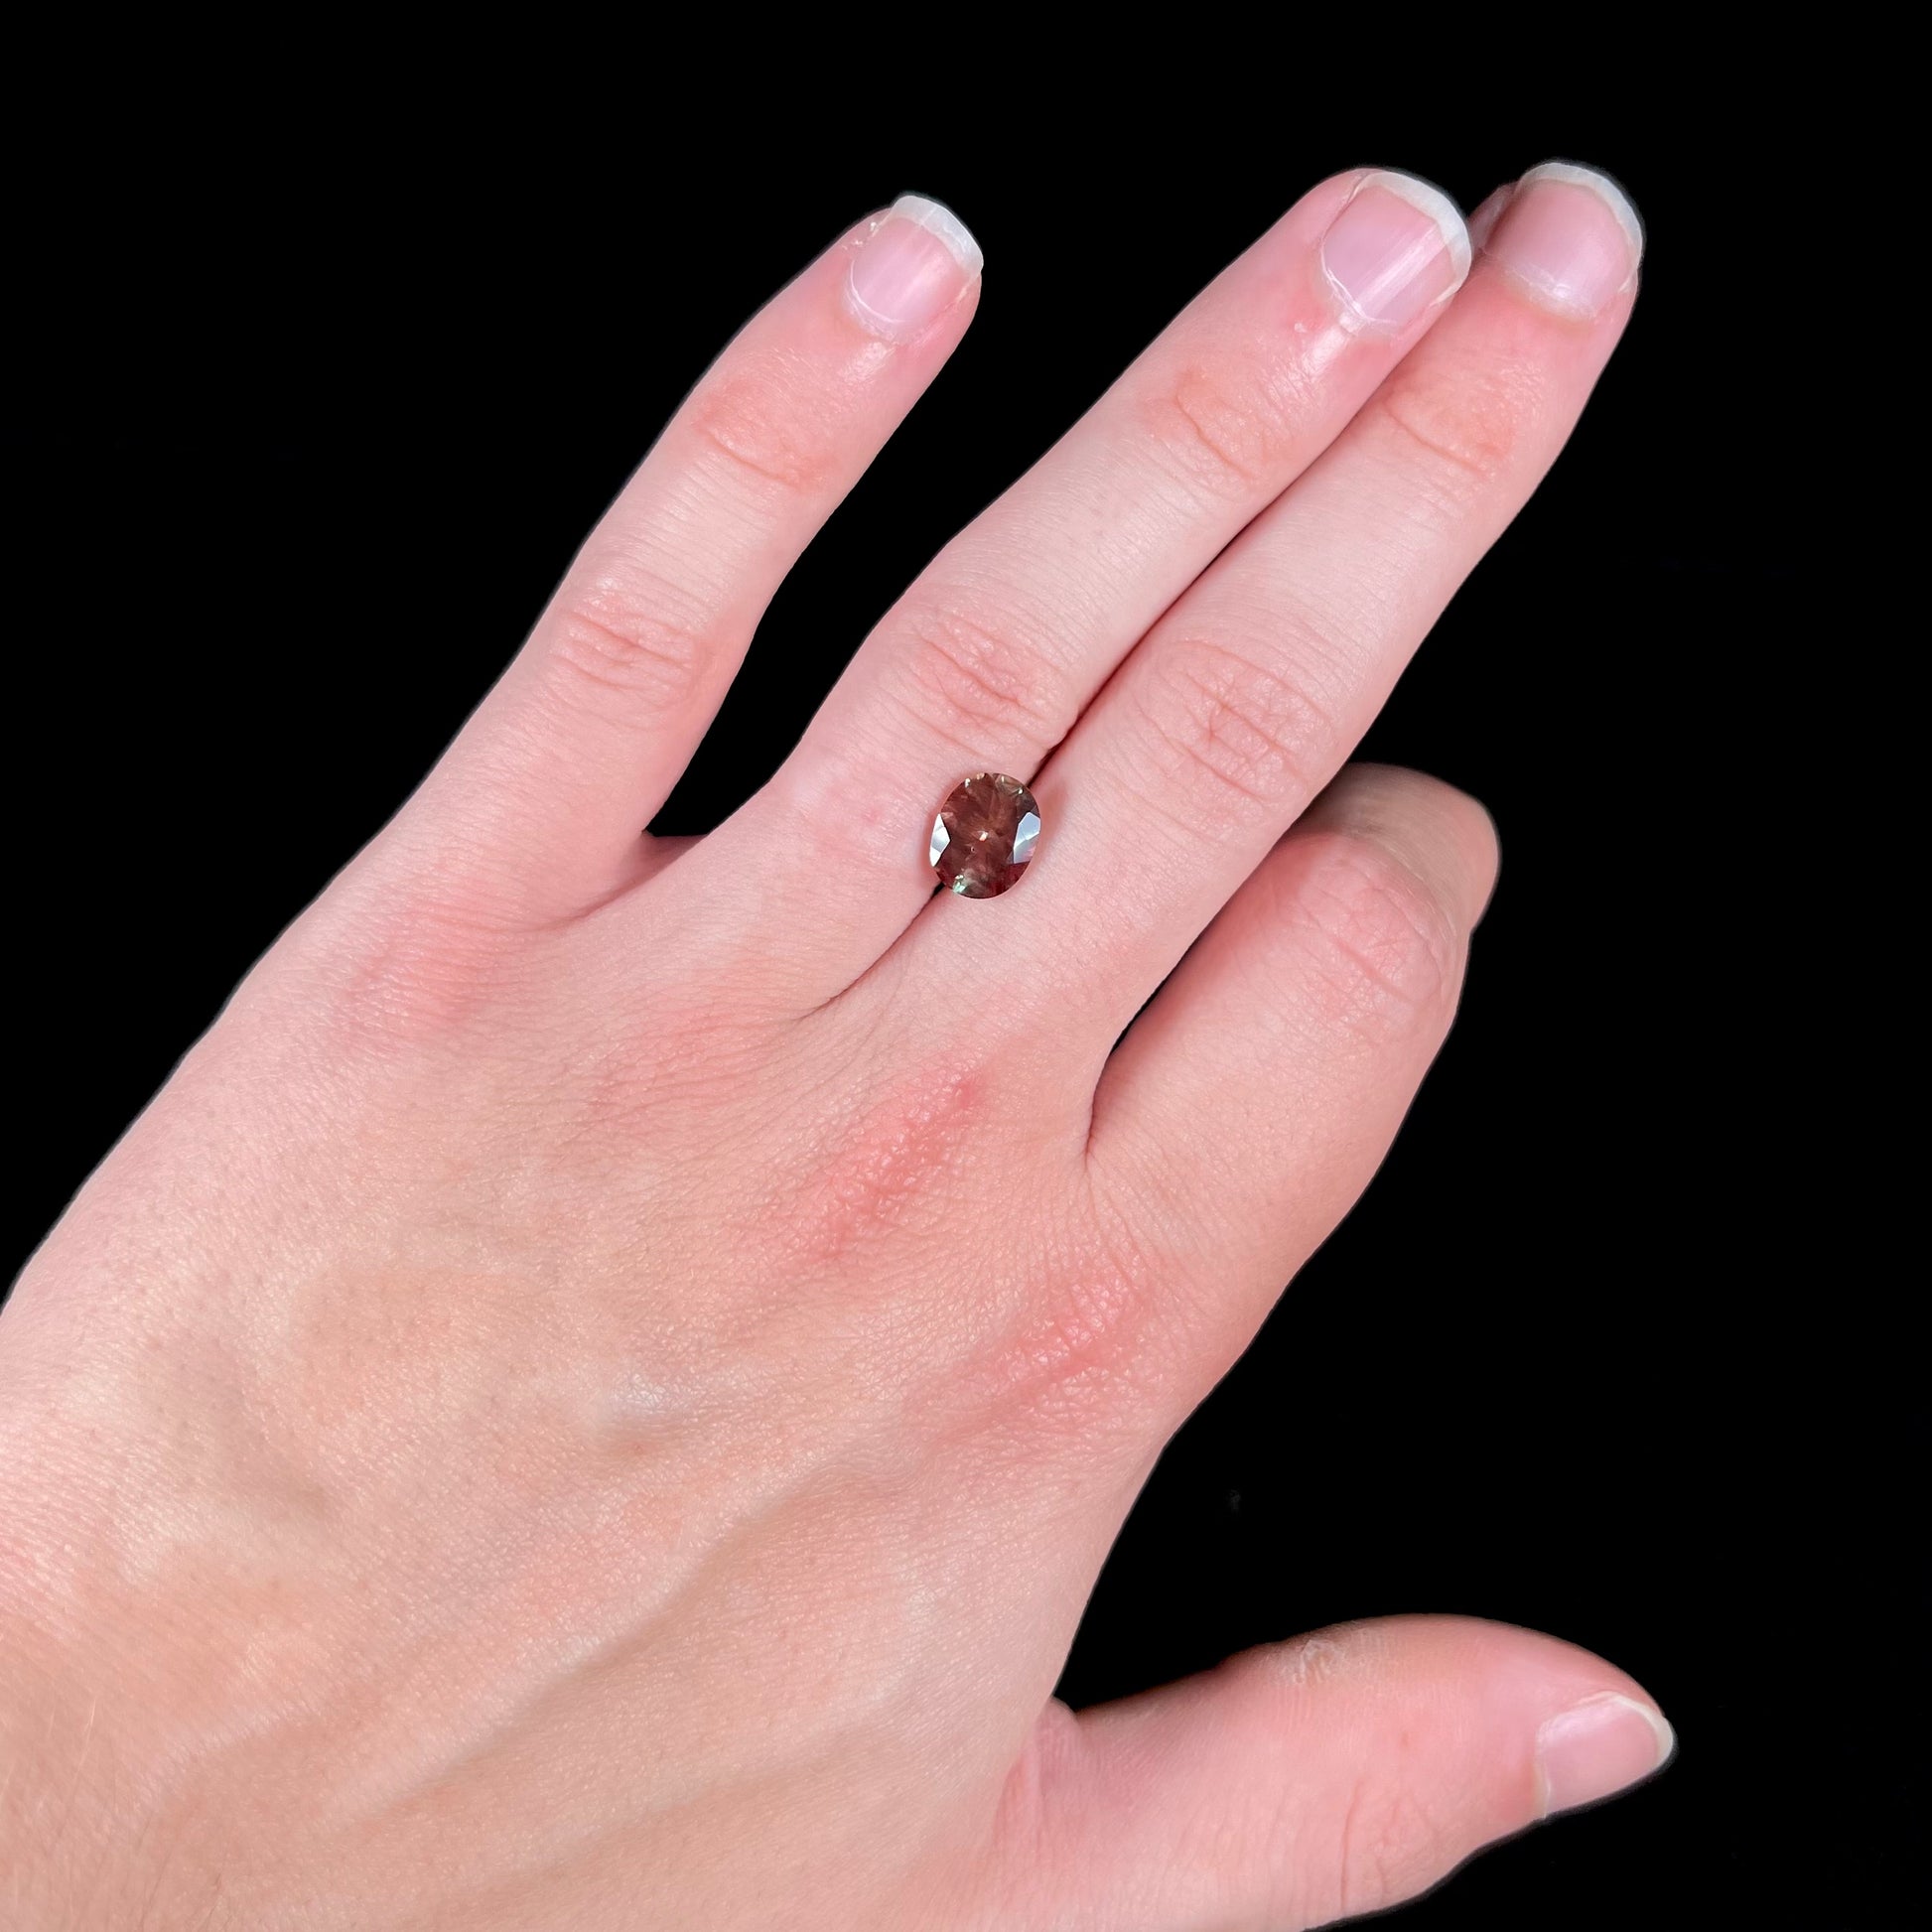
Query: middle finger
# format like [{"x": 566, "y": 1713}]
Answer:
[{"x": 989, "y": 658}]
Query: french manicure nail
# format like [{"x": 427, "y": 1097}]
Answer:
[
  {"x": 918, "y": 261},
  {"x": 1570, "y": 236},
  {"x": 1397, "y": 249},
  {"x": 1598, "y": 1747}
]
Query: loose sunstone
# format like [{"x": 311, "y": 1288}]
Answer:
[{"x": 984, "y": 835}]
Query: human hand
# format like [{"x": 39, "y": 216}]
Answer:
[{"x": 598, "y": 1393}]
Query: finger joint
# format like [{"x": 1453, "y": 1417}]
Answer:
[
  {"x": 972, "y": 681},
  {"x": 770, "y": 432},
  {"x": 1385, "y": 953},
  {"x": 1232, "y": 735},
  {"x": 1459, "y": 426},
  {"x": 618, "y": 636},
  {"x": 1230, "y": 430}
]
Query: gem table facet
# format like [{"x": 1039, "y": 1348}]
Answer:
[{"x": 984, "y": 835}]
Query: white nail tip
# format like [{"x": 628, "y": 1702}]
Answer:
[
  {"x": 938, "y": 219},
  {"x": 1659, "y": 1728},
  {"x": 1659, "y": 1725},
  {"x": 1604, "y": 188},
  {"x": 1439, "y": 208},
  {"x": 1666, "y": 1737},
  {"x": 1605, "y": 1701}
]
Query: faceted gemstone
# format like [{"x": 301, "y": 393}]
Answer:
[{"x": 984, "y": 835}]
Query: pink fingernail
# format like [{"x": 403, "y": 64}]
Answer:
[
  {"x": 916, "y": 262},
  {"x": 1396, "y": 247},
  {"x": 1598, "y": 1747},
  {"x": 1570, "y": 236}
]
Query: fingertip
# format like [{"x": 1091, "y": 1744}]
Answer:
[
  {"x": 938, "y": 219},
  {"x": 1442, "y": 835},
  {"x": 1598, "y": 1747},
  {"x": 1606, "y": 187},
  {"x": 915, "y": 264},
  {"x": 1567, "y": 236},
  {"x": 1588, "y": 1729}
]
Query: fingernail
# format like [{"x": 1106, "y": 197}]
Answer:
[
  {"x": 916, "y": 262},
  {"x": 1598, "y": 1747},
  {"x": 1484, "y": 216},
  {"x": 1570, "y": 236},
  {"x": 1396, "y": 247}
]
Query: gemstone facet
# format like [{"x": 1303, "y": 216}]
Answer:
[{"x": 984, "y": 835}]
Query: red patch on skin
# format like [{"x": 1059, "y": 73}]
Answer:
[
  {"x": 1079, "y": 1327},
  {"x": 1081, "y": 1344},
  {"x": 918, "y": 1141},
  {"x": 769, "y": 412}
]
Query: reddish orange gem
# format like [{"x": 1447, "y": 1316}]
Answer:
[{"x": 984, "y": 835}]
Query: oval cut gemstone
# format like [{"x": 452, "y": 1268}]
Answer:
[{"x": 984, "y": 835}]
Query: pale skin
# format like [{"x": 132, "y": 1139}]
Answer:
[{"x": 530, "y": 1429}]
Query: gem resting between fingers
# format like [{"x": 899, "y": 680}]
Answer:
[{"x": 984, "y": 835}]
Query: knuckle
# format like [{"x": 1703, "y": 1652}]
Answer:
[
  {"x": 1384, "y": 950},
  {"x": 1089, "y": 1347},
  {"x": 1460, "y": 424},
  {"x": 879, "y": 1167},
  {"x": 769, "y": 431},
  {"x": 1229, "y": 733},
  {"x": 626, "y": 633},
  {"x": 412, "y": 964},
  {"x": 1230, "y": 430},
  {"x": 973, "y": 680}
]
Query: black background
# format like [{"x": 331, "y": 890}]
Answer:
[{"x": 328, "y": 417}]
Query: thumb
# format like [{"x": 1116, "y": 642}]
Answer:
[{"x": 1309, "y": 1781}]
